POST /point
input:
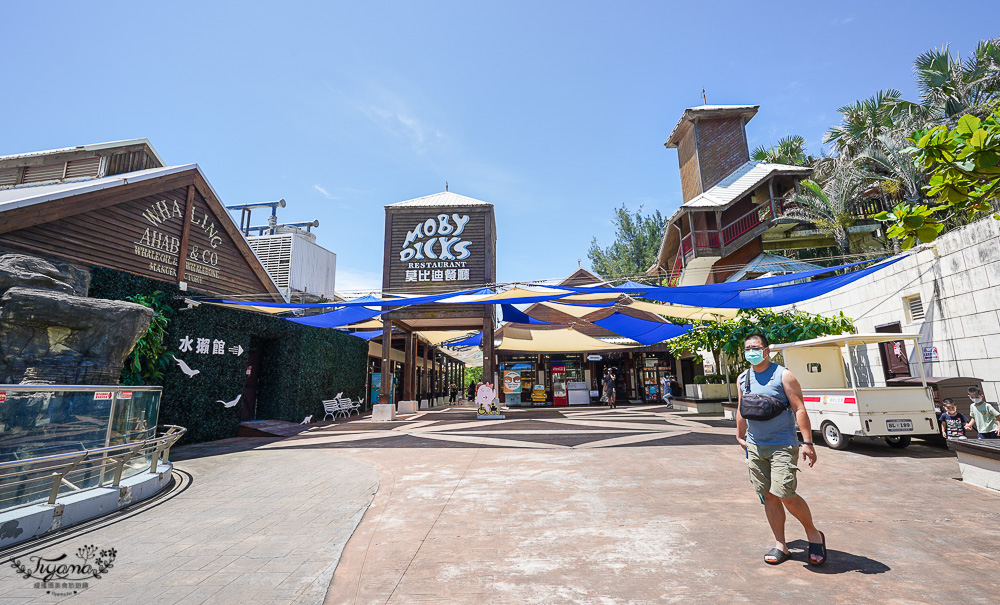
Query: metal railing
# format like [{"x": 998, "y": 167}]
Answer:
[{"x": 44, "y": 479}]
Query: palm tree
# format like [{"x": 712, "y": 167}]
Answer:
[
  {"x": 890, "y": 163},
  {"x": 789, "y": 150},
  {"x": 866, "y": 120},
  {"x": 950, "y": 87},
  {"x": 832, "y": 206}
]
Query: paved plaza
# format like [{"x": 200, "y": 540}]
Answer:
[{"x": 583, "y": 505}]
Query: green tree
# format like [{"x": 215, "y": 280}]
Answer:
[
  {"x": 964, "y": 167},
  {"x": 149, "y": 358},
  {"x": 789, "y": 150},
  {"x": 473, "y": 375},
  {"x": 727, "y": 336},
  {"x": 950, "y": 87},
  {"x": 864, "y": 121},
  {"x": 831, "y": 207},
  {"x": 637, "y": 241}
]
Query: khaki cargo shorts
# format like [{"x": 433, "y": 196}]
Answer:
[{"x": 773, "y": 468}]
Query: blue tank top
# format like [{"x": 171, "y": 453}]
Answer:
[{"x": 780, "y": 430}]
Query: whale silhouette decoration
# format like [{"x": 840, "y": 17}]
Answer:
[
  {"x": 186, "y": 368},
  {"x": 229, "y": 404}
]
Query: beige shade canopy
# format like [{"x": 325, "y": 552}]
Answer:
[
  {"x": 678, "y": 311},
  {"x": 437, "y": 337},
  {"x": 684, "y": 312},
  {"x": 555, "y": 341}
]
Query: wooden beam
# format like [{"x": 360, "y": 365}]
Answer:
[
  {"x": 229, "y": 226},
  {"x": 185, "y": 233},
  {"x": 383, "y": 396},
  {"x": 46, "y": 212}
]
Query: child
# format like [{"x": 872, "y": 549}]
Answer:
[
  {"x": 984, "y": 415},
  {"x": 952, "y": 422}
]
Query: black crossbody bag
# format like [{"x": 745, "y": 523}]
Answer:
[{"x": 759, "y": 407}]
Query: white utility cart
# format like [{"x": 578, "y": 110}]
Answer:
[{"x": 840, "y": 410}]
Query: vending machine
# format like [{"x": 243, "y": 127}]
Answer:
[{"x": 560, "y": 395}]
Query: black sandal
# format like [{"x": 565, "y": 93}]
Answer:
[
  {"x": 779, "y": 555},
  {"x": 818, "y": 550}
]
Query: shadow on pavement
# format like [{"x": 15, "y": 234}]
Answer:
[
  {"x": 838, "y": 561},
  {"x": 220, "y": 447}
]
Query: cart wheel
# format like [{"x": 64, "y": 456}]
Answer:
[
  {"x": 834, "y": 438},
  {"x": 899, "y": 442}
]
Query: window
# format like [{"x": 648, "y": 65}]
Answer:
[
  {"x": 814, "y": 368},
  {"x": 914, "y": 308}
]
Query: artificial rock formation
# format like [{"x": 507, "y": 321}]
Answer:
[{"x": 50, "y": 333}]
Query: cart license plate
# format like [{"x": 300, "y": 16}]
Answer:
[{"x": 899, "y": 425}]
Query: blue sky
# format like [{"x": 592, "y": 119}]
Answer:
[{"x": 555, "y": 112}]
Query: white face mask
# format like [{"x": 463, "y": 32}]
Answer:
[{"x": 977, "y": 400}]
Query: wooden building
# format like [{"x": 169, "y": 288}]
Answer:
[
  {"x": 438, "y": 243},
  {"x": 141, "y": 228},
  {"x": 734, "y": 208},
  {"x": 90, "y": 205}
]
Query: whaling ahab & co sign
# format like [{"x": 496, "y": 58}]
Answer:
[{"x": 162, "y": 250}]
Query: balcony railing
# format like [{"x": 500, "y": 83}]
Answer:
[{"x": 44, "y": 479}]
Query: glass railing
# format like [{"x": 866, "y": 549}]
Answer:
[{"x": 99, "y": 427}]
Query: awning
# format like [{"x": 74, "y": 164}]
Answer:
[
  {"x": 640, "y": 330},
  {"x": 565, "y": 340},
  {"x": 472, "y": 341},
  {"x": 512, "y": 315},
  {"x": 338, "y": 318}
]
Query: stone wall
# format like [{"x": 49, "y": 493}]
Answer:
[{"x": 958, "y": 281}]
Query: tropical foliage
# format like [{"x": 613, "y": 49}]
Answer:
[
  {"x": 964, "y": 164},
  {"x": 727, "y": 336},
  {"x": 789, "y": 150},
  {"x": 637, "y": 240},
  {"x": 149, "y": 358},
  {"x": 931, "y": 164}
]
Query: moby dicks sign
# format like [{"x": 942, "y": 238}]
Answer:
[{"x": 437, "y": 249}]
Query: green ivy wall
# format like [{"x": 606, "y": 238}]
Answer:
[{"x": 300, "y": 365}]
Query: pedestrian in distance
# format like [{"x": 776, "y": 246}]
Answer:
[
  {"x": 984, "y": 415},
  {"x": 453, "y": 393},
  {"x": 770, "y": 407},
  {"x": 951, "y": 421},
  {"x": 665, "y": 391},
  {"x": 609, "y": 387},
  {"x": 472, "y": 392}
]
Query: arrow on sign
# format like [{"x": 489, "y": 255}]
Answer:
[{"x": 237, "y": 350}]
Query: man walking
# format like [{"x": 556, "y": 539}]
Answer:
[
  {"x": 772, "y": 449},
  {"x": 609, "y": 387}
]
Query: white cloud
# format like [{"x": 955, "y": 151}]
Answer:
[
  {"x": 843, "y": 20},
  {"x": 419, "y": 135},
  {"x": 324, "y": 192}
]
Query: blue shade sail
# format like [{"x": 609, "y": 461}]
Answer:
[
  {"x": 642, "y": 331},
  {"x": 513, "y": 315},
  {"x": 473, "y": 341},
  {"x": 366, "y": 334},
  {"x": 338, "y": 318},
  {"x": 653, "y": 291}
]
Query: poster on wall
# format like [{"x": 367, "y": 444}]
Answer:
[
  {"x": 376, "y": 386},
  {"x": 931, "y": 354},
  {"x": 512, "y": 387}
]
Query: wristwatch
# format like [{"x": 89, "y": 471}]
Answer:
[{"x": 806, "y": 443}]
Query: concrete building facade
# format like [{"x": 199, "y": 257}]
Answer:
[{"x": 948, "y": 292}]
